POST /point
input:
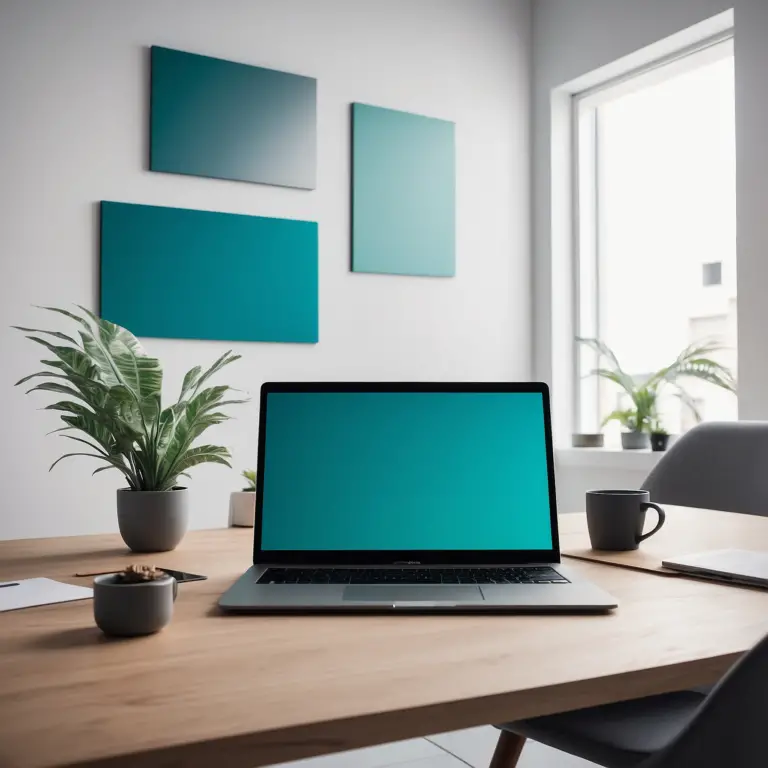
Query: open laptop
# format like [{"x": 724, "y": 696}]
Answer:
[{"x": 403, "y": 497}]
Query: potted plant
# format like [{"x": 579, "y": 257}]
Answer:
[
  {"x": 112, "y": 392},
  {"x": 693, "y": 362},
  {"x": 136, "y": 601},
  {"x": 587, "y": 440},
  {"x": 635, "y": 420},
  {"x": 659, "y": 436},
  {"x": 242, "y": 504}
]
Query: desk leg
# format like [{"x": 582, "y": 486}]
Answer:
[{"x": 508, "y": 749}]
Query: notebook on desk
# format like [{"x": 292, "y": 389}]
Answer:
[
  {"x": 407, "y": 497},
  {"x": 27, "y": 593}
]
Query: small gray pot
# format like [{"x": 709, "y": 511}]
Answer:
[
  {"x": 587, "y": 440},
  {"x": 635, "y": 441},
  {"x": 152, "y": 521},
  {"x": 129, "y": 610}
]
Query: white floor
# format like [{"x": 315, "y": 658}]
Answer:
[{"x": 472, "y": 747}]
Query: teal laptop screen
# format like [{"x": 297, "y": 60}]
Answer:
[{"x": 405, "y": 471}]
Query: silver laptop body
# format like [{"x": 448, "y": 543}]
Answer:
[
  {"x": 407, "y": 497},
  {"x": 739, "y": 566}
]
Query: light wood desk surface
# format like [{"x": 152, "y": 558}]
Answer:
[
  {"x": 685, "y": 532},
  {"x": 249, "y": 690}
]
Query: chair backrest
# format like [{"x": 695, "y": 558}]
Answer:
[
  {"x": 729, "y": 730},
  {"x": 718, "y": 465}
]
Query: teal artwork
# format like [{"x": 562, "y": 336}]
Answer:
[
  {"x": 184, "y": 274},
  {"x": 226, "y": 120},
  {"x": 403, "y": 193}
]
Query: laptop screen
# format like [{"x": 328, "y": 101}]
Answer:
[{"x": 404, "y": 471}]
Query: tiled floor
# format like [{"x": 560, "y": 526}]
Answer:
[{"x": 472, "y": 747}]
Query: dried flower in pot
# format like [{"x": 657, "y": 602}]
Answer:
[{"x": 136, "y": 601}]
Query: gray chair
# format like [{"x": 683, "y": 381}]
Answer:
[
  {"x": 719, "y": 465},
  {"x": 714, "y": 466},
  {"x": 725, "y": 729}
]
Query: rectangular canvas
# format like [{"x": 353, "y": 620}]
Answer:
[
  {"x": 221, "y": 119},
  {"x": 403, "y": 193},
  {"x": 186, "y": 274}
]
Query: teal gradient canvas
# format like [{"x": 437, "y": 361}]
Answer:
[
  {"x": 405, "y": 471},
  {"x": 221, "y": 119},
  {"x": 403, "y": 193},
  {"x": 185, "y": 274}
]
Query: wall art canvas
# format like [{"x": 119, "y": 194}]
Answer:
[
  {"x": 186, "y": 274},
  {"x": 221, "y": 119},
  {"x": 403, "y": 193}
]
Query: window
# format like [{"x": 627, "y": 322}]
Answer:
[
  {"x": 712, "y": 273},
  {"x": 655, "y": 230}
]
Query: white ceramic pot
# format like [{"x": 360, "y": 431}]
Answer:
[{"x": 242, "y": 508}]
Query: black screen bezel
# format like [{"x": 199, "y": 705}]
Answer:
[{"x": 390, "y": 557}]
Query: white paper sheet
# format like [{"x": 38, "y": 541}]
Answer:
[{"x": 28, "y": 592}]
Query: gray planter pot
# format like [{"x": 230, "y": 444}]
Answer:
[
  {"x": 128, "y": 610},
  {"x": 152, "y": 521},
  {"x": 635, "y": 441},
  {"x": 587, "y": 440}
]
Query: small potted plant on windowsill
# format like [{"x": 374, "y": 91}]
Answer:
[
  {"x": 634, "y": 420},
  {"x": 659, "y": 437},
  {"x": 112, "y": 391},
  {"x": 242, "y": 504},
  {"x": 694, "y": 362},
  {"x": 588, "y": 440}
]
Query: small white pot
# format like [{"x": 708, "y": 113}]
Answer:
[{"x": 242, "y": 508}]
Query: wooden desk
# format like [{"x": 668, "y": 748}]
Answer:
[
  {"x": 248, "y": 690},
  {"x": 686, "y": 531}
]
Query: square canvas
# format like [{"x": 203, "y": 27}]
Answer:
[
  {"x": 403, "y": 193},
  {"x": 226, "y": 120},
  {"x": 185, "y": 274}
]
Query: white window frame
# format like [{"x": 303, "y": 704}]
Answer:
[{"x": 585, "y": 182}]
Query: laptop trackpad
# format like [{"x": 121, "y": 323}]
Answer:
[{"x": 408, "y": 593}]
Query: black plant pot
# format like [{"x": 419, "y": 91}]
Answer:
[{"x": 659, "y": 441}]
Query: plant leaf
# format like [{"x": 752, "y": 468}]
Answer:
[
  {"x": 57, "y": 334},
  {"x": 112, "y": 392},
  {"x": 86, "y": 442},
  {"x": 68, "y": 455},
  {"x": 66, "y": 313},
  {"x": 121, "y": 361},
  {"x": 39, "y": 374},
  {"x": 190, "y": 381},
  {"x": 227, "y": 358}
]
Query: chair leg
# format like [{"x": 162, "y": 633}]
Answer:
[{"x": 508, "y": 749}]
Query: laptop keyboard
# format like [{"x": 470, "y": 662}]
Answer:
[{"x": 503, "y": 575}]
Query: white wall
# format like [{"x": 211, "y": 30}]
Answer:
[
  {"x": 571, "y": 39},
  {"x": 574, "y": 482},
  {"x": 73, "y": 89}
]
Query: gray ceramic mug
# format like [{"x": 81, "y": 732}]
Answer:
[
  {"x": 128, "y": 610},
  {"x": 616, "y": 519}
]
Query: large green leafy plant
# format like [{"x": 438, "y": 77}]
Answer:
[
  {"x": 112, "y": 389},
  {"x": 694, "y": 362}
]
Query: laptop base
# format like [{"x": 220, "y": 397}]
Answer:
[{"x": 247, "y": 596}]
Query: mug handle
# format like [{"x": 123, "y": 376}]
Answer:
[
  {"x": 176, "y": 583},
  {"x": 662, "y": 517}
]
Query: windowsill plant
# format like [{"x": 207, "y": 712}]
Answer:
[{"x": 641, "y": 418}]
